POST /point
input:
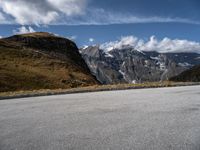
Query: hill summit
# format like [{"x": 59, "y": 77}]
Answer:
[{"x": 41, "y": 60}]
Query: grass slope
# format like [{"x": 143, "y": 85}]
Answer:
[{"x": 41, "y": 61}]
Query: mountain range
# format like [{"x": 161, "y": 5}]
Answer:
[
  {"x": 129, "y": 65},
  {"x": 42, "y": 60}
]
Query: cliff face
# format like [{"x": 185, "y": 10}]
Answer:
[
  {"x": 41, "y": 61},
  {"x": 128, "y": 65}
]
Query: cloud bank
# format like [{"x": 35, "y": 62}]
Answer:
[
  {"x": 23, "y": 30},
  {"x": 153, "y": 44},
  {"x": 96, "y": 16},
  {"x": 70, "y": 12},
  {"x": 41, "y": 11}
]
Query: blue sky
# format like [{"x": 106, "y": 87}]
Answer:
[{"x": 90, "y": 22}]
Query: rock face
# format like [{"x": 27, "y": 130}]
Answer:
[
  {"x": 190, "y": 75},
  {"x": 41, "y": 61},
  {"x": 128, "y": 65}
]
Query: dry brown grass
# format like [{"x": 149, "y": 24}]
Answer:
[
  {"x": 29, "y": 69},
  {"x": 96, "y": 88}
]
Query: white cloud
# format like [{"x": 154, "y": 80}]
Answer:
[
  {"x": 127, "y": 41},
  {"x": 23, "y": 30},
  {"x": 91, "y": 40},
  {"x": 169, "y": 45},
  {"x": 153, "y": 44},
  {"x": 73, "y": 37},
  {"x": 41, "y": 11},
  {"x": 96, "y": 16},
  {"x": 69, "y": 7},
  {"x": 1, "y": 37},
  {"x": 70, "y": 12},
  {"x": 29, "y": 12}
]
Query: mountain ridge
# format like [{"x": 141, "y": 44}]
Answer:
[
  {"x": 190, "y": 75},
  {"x": 128, "y": 65}
]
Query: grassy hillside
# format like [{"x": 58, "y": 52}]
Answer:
[
  {"x": 41, "y": 61},
  {"x": 191, "y": 75}
]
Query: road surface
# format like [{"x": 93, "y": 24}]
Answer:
[{"x": 143, "y": 119}]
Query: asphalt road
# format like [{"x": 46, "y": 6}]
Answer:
[{"x": 144, "y": 119}]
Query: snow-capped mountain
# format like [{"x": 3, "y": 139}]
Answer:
[{"x": 128, "y": 65}]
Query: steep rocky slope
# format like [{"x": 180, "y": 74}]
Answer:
[
  {"x": 191, "y": 75},
  {"x": 128, "y": 65},
  {"x": 41, "y": 61}
]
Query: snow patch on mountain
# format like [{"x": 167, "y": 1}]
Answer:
[
  {"x": 109, "y": 55},
  {"x": 122, "y": 73},
  {"x": 155, "y": 58},
  {"x": 185, "y": 64}
]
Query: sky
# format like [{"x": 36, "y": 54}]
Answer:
[{"x": 161, "y": 25}]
